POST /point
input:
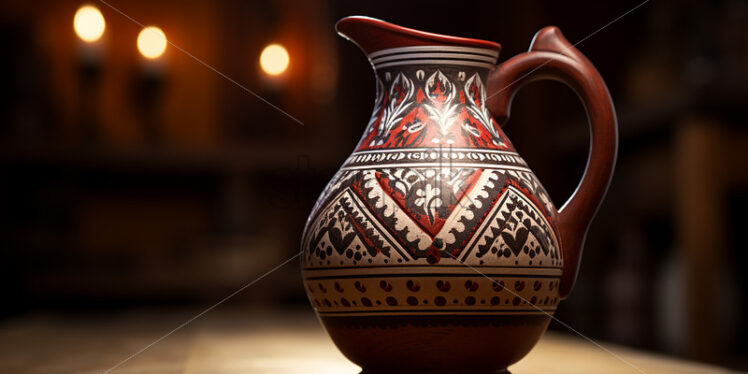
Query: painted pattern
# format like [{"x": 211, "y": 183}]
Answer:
[
  {"x": 434, "y": 294},
  {"x": 432, "y": 216},
  {"x": 433, "y": 196},
  {"x": 415, "y": 108}
]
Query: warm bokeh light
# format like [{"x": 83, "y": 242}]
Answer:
[
  {"x": 151, "y": 42},
  {"x": 274, "y": 59},
  {"x": 89, "y": 23}
]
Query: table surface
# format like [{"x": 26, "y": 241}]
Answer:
[{"x": 229, "y": 341}]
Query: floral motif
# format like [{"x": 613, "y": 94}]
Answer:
[
  {"x": 400, "y": 98},
  {"x": 378, "y": 102},
  {"x": 428, "y": 200},
  {"x": 475, "y": 93},
  {"x": 430, "y": 194},
  {"x": 442, "y": 109},
  {"x": 417, "y": 108}
]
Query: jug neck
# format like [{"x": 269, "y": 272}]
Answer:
[{"x": 430, "y": 88}]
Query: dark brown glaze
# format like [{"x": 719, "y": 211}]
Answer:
[
  {"x": 551, "y": 56},
  {"x": 434, "y": 344},
  {"x": 371, "y": 35}
]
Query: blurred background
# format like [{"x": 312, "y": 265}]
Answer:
[{"x": 132, "y": 174}]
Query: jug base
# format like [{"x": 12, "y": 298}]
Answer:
[{"x": 435, "y": 344}]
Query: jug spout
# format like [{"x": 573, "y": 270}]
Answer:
[{"x": 373, "y": 35}]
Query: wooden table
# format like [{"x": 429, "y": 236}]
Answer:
[{"x": 229, "y": 341}]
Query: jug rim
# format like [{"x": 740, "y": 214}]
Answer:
[{"x": 358, "y": 29}]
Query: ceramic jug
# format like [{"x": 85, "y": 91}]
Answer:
[{"x": 435, "y": 249}]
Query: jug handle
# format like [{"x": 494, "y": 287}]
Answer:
[{"x": 551, "y": 56}]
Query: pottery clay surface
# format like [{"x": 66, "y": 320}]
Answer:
[{"x": 435, "y": 249}]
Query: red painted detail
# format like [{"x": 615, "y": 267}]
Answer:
[
  {"x": 360, "y": 287},
  {"x": 385, "y": 286},
  {"x": 443, "y": 286},
  {"x": 434, "y": 256},
  {"x": 420, "y": 96},
  {"x": 498, "y": 286},
  {"x": 461, "y": 134}
]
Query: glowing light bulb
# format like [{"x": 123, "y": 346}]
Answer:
[
  {"x": 89, "y": 23},
  {"x": 274, "y": 59},
  {"x": 151, "y": 42}
]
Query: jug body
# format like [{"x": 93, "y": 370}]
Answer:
[
  {"x": 434, "y": 248},
  {"x": 434, "y": 234}
]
